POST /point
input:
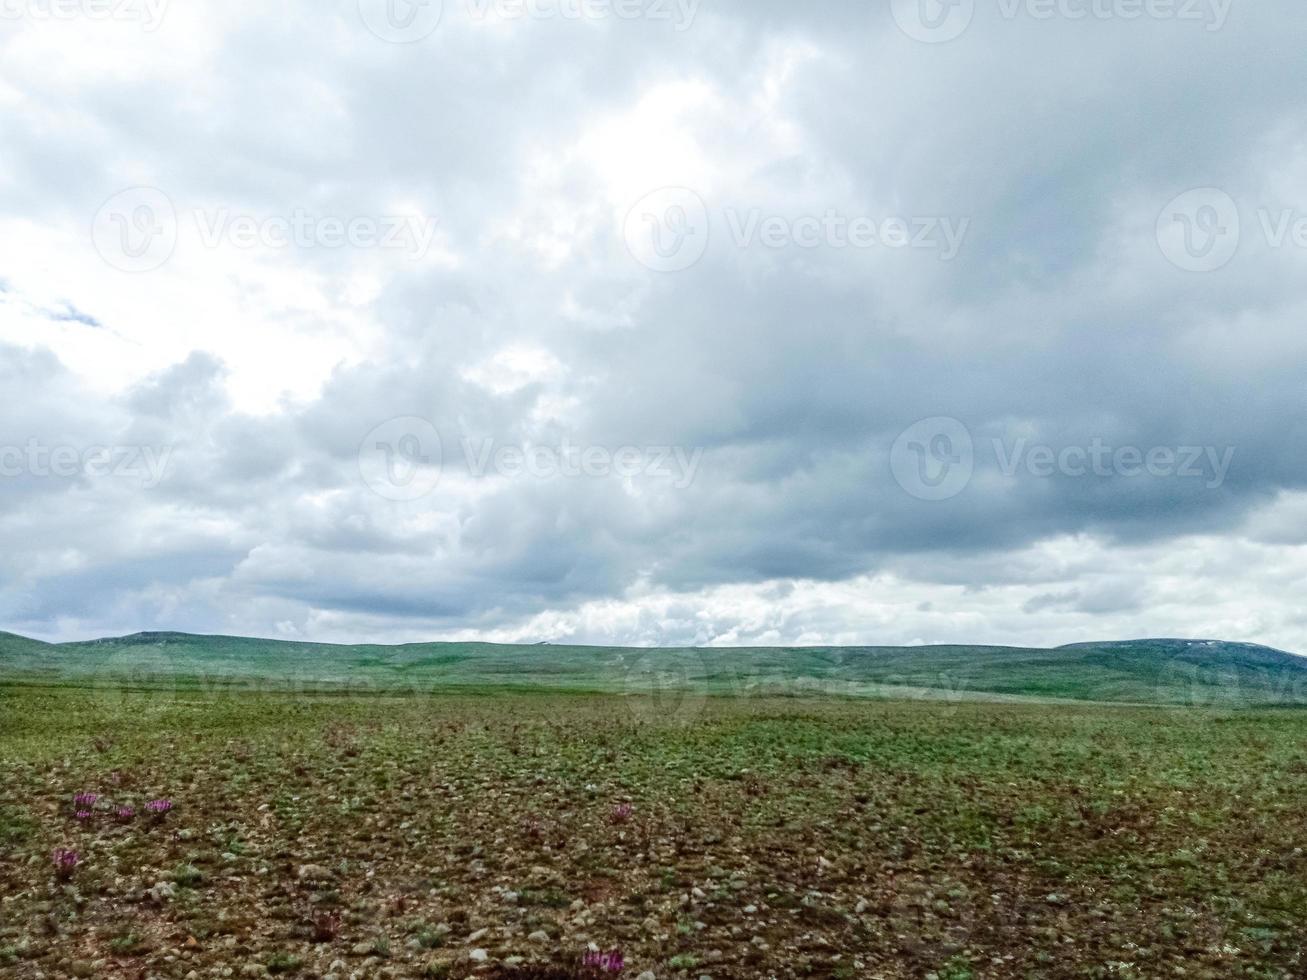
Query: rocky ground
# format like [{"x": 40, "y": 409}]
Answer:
[{"x": 507, "y": 836}]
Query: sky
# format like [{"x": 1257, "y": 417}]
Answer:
[{"x": 654, "y": 322}]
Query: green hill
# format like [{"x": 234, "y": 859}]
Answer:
[{"x": 1177, "y": 672}]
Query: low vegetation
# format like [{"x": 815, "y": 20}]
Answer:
[{"x": 553, "y": 835}]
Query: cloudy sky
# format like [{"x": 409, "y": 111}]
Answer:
[{"x": 654, "y": 321}]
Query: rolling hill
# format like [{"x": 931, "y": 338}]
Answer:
[{"x": 1171, "y": 672}]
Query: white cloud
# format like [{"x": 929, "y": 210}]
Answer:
[{"x": 510, "y": 153}]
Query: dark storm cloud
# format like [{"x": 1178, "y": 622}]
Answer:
[{"x": 1058, "y": 326}]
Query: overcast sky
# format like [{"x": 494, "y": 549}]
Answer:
[{"x": 654, "y": 321}]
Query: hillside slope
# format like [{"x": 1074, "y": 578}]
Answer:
[{"x": 1201, "y": 672}]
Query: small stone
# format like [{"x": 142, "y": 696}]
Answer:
[
  {"x": 540, "y": 936},
  {"x": 314, "y": 872},
  {"x": 478, "y": 956}
]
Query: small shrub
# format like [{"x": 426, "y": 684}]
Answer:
[
  {"x": 126, "y": 945},
  {"x": 283, "y": 963},
  {"x": 621, "y": 813},
  {"x": 326, "y": 927},
  {"x": 65, "y": 863}
]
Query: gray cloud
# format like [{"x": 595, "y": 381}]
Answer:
[{"x": 262, "y": 371}]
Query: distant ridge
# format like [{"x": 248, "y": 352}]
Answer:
[{"x": 1149, "y": 671}]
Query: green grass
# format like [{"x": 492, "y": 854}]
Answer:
[
  {"x": 903, "y": 837},
  {"x": 1176, "y": 672}
]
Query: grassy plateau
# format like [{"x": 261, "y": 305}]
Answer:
[{"x": 436, "y": 811}]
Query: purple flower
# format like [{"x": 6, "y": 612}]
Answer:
[
  {"x": 125, "y": 814},
  {"x": 611, "y": 962},
  {"x": 622, "y": 812},
  {"x": 84, "y": 801},
  {"x": 159, "y": 807},
  {"x": 64, "y": 862},
  {"x": 83, "y": 814}
]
